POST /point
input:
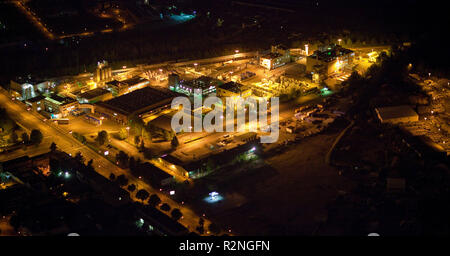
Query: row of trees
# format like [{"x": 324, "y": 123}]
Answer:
[
  {"x": 148, "y": 131},
  {"x": 153, "y": 200},
  {"x": 35, "y": 137}
]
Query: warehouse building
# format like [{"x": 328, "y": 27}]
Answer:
[
  {"x": 233, "y": 89},
  {"x": 329, "y": 59},
  {"x": 279, "y": 55},
  {"x": 95, "y": 95},
  {"x": 201, "y": 86},
  {"x": 126, "y": 86},
  {"x": 58, "y": 106},
  {"x": 396, "y": 114},
  {"x": 146, "y": 100}
]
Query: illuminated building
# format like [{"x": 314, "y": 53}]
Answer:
[
  {"x": 36, "y": 103},
  {"x": 145, "y": 100},
  {"x": 201, "y": 86},
  {"x": 59, "y": 106},
  {"x": 232, "y": 89},
  {"x": 329, "y": 59},
  {"x": 103, "y": 72},
  {"x": 174, "y": 80},
  {"x": 278, "y": 56},
  {"x": 95, "y": 95},
  {"x": 126, "y": 86},
  {"x": 27, "y": 88},
  {"x": 373, "y": 56}
]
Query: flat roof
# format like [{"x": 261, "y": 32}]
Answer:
[
  {"x": 134, "y": 80},
  {"x": 93, "y": 93},
  {"x": 203, "y": 82},
  {"x": 113, "y": 83},
  {"x": 56, "y": 99},
  {"x": 330, "y": 53},
  {"x": 163, "y": 122},
  {"x": 272, "y": 55},
  {"x": 386, "y": 113},
  {"x": 138, "y": 99},
  {"x": 232, "y": 87},
  {"x": 37, "y": 98}
]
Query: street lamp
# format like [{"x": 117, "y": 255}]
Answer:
[
  {"x": 339, "y": 40},
  {"x": 306, "y": 49}
]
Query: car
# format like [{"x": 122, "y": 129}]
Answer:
[{"x": 226, "y": 136}]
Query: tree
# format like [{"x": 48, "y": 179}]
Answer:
[
  {"x": 142, "y": 146},
  {"x": 200, "y": 229},
  {"x": 137, "y": 140},
  {"x": 176, "y": 214},
  {"x": 14, "y": 137},
  {"x": 214, "y": 228},
  {"x": 167, "y": 135},
  {"x": 148, "y": 154},
  {"x": 142, "y": 194},
  {"x": 137, "y": 124},
  {"x": 122, "y": 180},
  {"x": 175, "y": 143},
  {"x": 102, "y": 137},
  {"x": 131, "y": 163},
  {"x": 79, "y": 157},
  {"x": 131, "y": 187},
  {"x": 112, "y": 177},
  {"x": 165, "y": 207},
  {"x": 154, "y": 200},
  {"x": 53, "y": 147},
  {"x": 36, "y": 136},
  {"x": 123, "y": 134},
  {"x": 146, "y": 134},
  {"x": 90, "y": 165},
  {"x": 210, "y": 165},
  {"x": 348, "y": 42},
  {"x": 122, "y": 158}
]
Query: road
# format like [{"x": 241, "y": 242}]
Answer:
[
  {"x": 35, "y": 19},
  {"x": 65, "y": 142}
]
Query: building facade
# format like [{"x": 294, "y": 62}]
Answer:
[
  {"x": 329, "y": 59},
  {"x": 278, "y": 56},
  {"x": 233, "y": 89},
  {"x": 59, "y": 106}
]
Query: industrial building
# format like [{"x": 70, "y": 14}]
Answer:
[
  {"x": 329, "y": 59},
  {"x": 23, "y": 88},
  {"x": 103, "y": 72},
  {"x": 174, "y": 80},
  {"x": 95, "y": 95},
  {"x": 201, "y": 86},
  {"x": 126, "y": 86},
  {"x": 279, "y": 55},
  {"x": 58, "y": 106},
  {"x": 36, "y": 103},
  {"x": 233, "y": 89},
  {"x": 396, "y": 114},
  {"x": 145, "y": 100}
]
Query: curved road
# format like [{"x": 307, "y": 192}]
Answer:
[{"x": 68, "y": 144}]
